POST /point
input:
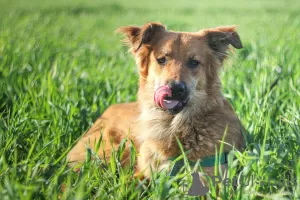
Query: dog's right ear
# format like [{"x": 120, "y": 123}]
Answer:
[
  {"x": 138, "y": 36},
  {"x": 219, "y": 39}
]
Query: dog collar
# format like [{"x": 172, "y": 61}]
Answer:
[{"x": 208, "y": 161}]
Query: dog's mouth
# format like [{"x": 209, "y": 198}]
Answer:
[
  {"x": 163, "y": 98},
  {"x": 175, "y": 106}
]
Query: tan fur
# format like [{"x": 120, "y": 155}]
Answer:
[{"x": 200, "y": 126}]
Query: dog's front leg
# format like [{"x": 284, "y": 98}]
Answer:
[
  {"x": 146, "y": 160},
  {"x": 150, "y": 159}
]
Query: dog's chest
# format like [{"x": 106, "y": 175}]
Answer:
[
  {"x": 199, "y": 139},
  {"x": 198, "y": 135}
]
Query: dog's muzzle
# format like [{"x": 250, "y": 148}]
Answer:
[{"x": 172, "y": 97}]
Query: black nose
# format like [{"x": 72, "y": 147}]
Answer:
[{"x": 178, "y": 88}]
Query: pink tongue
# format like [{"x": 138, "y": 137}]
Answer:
[
  {"x": 159, "y": 98},
  {"x": 169, "y": 104}
]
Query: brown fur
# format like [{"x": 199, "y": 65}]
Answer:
[{"x": 200, "y": 126}]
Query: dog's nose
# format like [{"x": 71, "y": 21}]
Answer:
[{"x": 178, "y": 88}]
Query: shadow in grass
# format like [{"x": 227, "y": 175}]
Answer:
[
  {"x": 84, "y": 10},
  {"x": 245, "y": 51},
  {"x": 6, "y": 105},
  {"x": 78, "y": 10}
]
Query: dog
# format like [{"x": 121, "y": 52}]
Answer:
[{"x": 179, "y": 99}]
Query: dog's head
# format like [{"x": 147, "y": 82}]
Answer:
[{"x": 178, "y": 68}]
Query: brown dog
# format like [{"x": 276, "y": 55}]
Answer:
[{"x": 179, "y": 96}]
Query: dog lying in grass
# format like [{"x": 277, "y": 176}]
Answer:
[{"x": 179, "y": 96}]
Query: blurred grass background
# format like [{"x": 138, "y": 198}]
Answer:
[{"x": 61, "y": 66}]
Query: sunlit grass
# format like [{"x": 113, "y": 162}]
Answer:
[{"x": 61, "y": 66}]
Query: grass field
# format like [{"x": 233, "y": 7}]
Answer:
[{"x": 61, "y": 66}]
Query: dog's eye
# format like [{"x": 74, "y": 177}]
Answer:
[
  {"x": 162, "y": 60},
  {"x": 193, "y": 63}
]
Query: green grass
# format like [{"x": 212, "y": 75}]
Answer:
[{"x": 61, "y": 66}]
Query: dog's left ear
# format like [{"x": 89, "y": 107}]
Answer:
[{"x": 219, "y": 39}]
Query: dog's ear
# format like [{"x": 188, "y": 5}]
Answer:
[
  {"x": 219, "y": 38},
  {"x": 138, "y": 36}
]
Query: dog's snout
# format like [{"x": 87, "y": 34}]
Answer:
[{"x": 178, "y": 88}]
